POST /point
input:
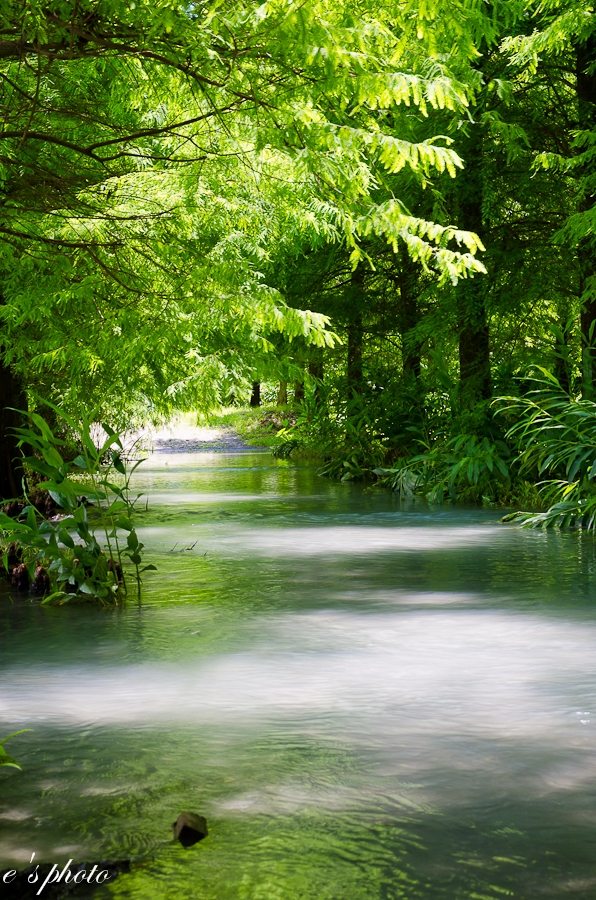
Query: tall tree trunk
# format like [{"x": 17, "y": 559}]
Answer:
[
  {"x": 282, "y": 394},
  {"x": 355, "y": 331},
  {"x": 474, "y": 342},
  {"x": 585, "y": 54},
  {"x": 11, "y": 395},
  {"x": 316, "y": 371},
  {"x": 298, "y": 392},
  {"x": 474, "y": 339},
  {"x": 255, "y": 397},
  {"x": 411, "y": 349}
]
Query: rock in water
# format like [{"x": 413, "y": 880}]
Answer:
[
  {"x": 41, "y": 582},
  {"x": 189, "y": 828},
  {"x": 20, "y": 578}
]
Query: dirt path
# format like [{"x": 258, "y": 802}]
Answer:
[{"x": 180, "y": 436}]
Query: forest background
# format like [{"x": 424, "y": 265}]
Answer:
[{"x": 390, "y": 207}]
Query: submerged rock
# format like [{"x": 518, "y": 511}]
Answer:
[{"x": 189, "y": 829}]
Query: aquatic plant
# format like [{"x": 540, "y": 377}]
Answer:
[{"x": 5, "y": 759}]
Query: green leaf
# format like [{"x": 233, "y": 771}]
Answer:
[
  {"x": 56, "y": 599},
  {"x": 124, "y": 523},
  {"x": 112, "y": 438},
  {"x": 65, "y": 538},
  {"x": 501, "y": 465},
  {"x": 117, "y": 463},
  {"x": 60, "y": 499},
  {"x": 87, "y": 587},
  {"x": 52, "y": 457},
  {"x": 31, "y": 518},
  {"x": 6, "y": 760},
  {"x": 14, "y": 734},
  {"x": 42, "y": 467}
]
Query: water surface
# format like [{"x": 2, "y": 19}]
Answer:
[{"x": 366, "y": 699}]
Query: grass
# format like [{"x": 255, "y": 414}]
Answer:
[{"x": 257, "y": 426}]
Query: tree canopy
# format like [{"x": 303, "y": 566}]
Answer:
[{"x": 191, "y": 196}]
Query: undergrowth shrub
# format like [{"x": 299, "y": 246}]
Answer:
[
  {"x": 67, "y": 544},
  {"x": 535, "y": 450},
  {"x": 466, "y": 467},
  {"x": 556, "y": 435}
]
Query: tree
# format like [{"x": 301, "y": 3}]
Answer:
[
  {"x": 565, "y": 41},
  {"x": 518, "y": 313},
  {"x": 88, "y": 138}
]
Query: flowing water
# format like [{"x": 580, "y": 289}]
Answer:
[{"x": 367, "y": 700}]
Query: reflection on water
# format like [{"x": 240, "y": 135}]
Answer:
[{"x": 366, "y": 700}]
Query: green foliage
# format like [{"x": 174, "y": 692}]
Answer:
[
  {"x": 557, "y": 438},
  {"x": 258, "y": 426},
  {"x": 215, "y": 176},
  {"x": 359, "y": 447},
  {"x": 176, "y": 162},
  {"x": 79, "y": 566},
  {"x": 466, "y": 467},
  {"x": 286, "y": 448},
  {"x": 378, "y": 436},
  {"x": 5, "y": 759},
  {"x": 349, "y": 438}
]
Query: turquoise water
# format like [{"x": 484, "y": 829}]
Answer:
[{"x": 366, "y": 699}]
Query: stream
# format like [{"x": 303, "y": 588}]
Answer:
[{"x": 367, "y": 699}]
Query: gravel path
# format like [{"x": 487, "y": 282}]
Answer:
[{"x": 181, "y": 437}]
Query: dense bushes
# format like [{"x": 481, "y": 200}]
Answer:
[{"x": 534, "y": 450}]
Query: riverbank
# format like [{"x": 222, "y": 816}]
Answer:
[
  {"x": 232, "y": 428},
  {"x": 180, "y": 436}
]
